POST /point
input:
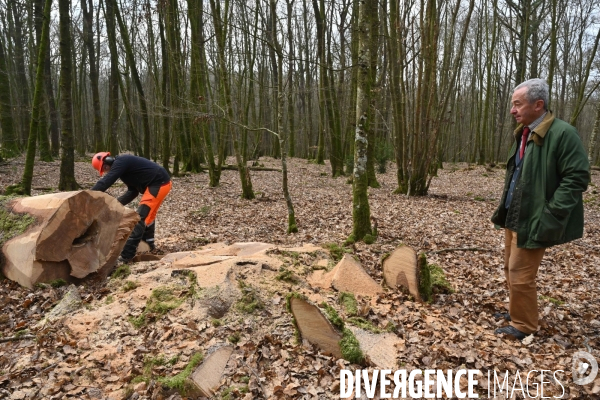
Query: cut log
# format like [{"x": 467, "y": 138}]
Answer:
[
  {"x": 207, "y": 377},
  {"x": 315, "y": 328},
  {"x": 381, "y": 349},
  {"x": 403, "y": 269},
  {"x": 75, "y": 234},
  {"x": 347, "y": 276}
]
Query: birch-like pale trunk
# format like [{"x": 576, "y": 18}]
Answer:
[{"x": 361, "y": 214}]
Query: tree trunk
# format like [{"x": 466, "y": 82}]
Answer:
[
  {"x": 277, "y": 59},
  {"x": 166, "y": 94},
  {"x": 594, "y": 135},
  {"x": 88, "y": 39},
  {"x": 25, "y": 186},
  {"x": 361, "y": 214},
  {"x": 10, "y": 142},
  {"x": 74, "y": 234},
  {"x": 373, "y": 37},
  {"x": 198, "y": 82},
  {"x": 45, "y": 152},
  {"x": 23, "y": 109},
  {"x": 136, "y": 80},
  {"x": 220, "y": 21},
  {"x": 67, "y": 159}
]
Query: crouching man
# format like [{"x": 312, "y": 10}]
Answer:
[{"x": 141, "y": 176}]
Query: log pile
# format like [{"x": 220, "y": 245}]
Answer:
[{"x": 74, "y": 234}]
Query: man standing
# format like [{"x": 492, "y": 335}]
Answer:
[
  {"x": 141, "y": 176},
  {"x": 546, "y": 174}
]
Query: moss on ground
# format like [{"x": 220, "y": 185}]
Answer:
[
  {"x": 336, "y": 251},
  {"x": 129, "y": 286},
  {"x": 286, "y": 275},
  {"x": 179, "y": 382},
  {"x": 424, "y": 278},
  {"x": 161, "y": 301},
  {"x": 333, "y": 316},
  {"x": 364, "y": 324},
  {"x": 351, "y": 348},
  {"x": 369, "y": 239},
  {"x": 122, "y": 272},
  {"x": 250, "y": 300},
  {"x": 57, "y": 283},
  {"x": 439, "y": 283},
  {"x": 348, "y": 301},
  {"x": 12, "y": 224}
]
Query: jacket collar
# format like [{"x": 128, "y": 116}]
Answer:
[{"x": 540, "y": 131}]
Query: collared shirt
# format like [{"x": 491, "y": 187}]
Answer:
[{"x": 519, "y": 161}]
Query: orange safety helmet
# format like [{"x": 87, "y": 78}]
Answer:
[{"x": 98, "y": 161}]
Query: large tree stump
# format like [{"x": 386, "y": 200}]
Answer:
[
  {"x": 75, "y": 234},
  {"x": 404, "y": 269}
]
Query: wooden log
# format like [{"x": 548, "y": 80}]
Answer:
[
  {"x": 315, "y": 328},
  {"x": 207, "y": 377},
  {"x": 75, "y": 234},
  {"x": 347, "y": 276},
  {"x": 404, "y": 269}
]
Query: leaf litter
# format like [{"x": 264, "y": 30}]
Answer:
[{"x": 454, "y": 331}]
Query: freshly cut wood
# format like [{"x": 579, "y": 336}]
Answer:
[
  {"x": 381, "y": 349},
  {"x": 75, "y": 234},
  {"x": 207, "y": 377},
  {"x": 315, "y": 328},
  {"x": 402, "y": 269},
  {"x": 347, "y": 276},
  {"x": 142, "y": 248}
]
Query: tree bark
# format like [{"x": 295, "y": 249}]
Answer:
[
  {"x": 25, "y": 186},
  {"x": 88, "y": 39},
  {"x": 361, "y": 214},
  {"x": 67, "y": 159},
  {"x": 10, "y": 142}
]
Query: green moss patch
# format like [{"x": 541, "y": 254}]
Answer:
[
  {"x": 286, "y": 275},
  {"x": 364, "y": 324},
  {"x": 333, "y": 316},
  {"x": 424, "y": 278},
  {"x": 12, "y": 224},
  {"x": 439, "y": 283},
  {"x": 179, "y": 382},
  {"x": 348, "y": 301},
  {"x": 57, "y": 283},
  {"x": 351, "y": 348},
  {"x": 162, "y": 300},
  {"x": 128, "y": 286},
  {"x": 336, "y": 251},
  {"x": 122, "y": 272},
  {"x": 250, "y": 300}
]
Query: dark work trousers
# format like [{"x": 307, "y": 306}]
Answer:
[{"x": 144, "y": 229}]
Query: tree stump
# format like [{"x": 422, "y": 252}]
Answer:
[
  {"x": 74, "y": 234},
  {"x": 403, "y": 268},
  {"x": 315, "y": 328},
  {"x": 207, "y": 377}
]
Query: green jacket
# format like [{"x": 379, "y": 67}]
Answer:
[{"x": 555, "y": 173}]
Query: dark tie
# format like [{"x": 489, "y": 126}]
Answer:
[{"x": 523, "y": 142}]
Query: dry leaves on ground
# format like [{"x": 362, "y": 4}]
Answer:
[{"x": 451, "y": 225}]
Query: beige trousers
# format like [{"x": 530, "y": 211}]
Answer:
[{"x": 520, "y": 268}]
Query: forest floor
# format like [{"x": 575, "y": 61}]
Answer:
[{"x": 455, "y": 331}]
